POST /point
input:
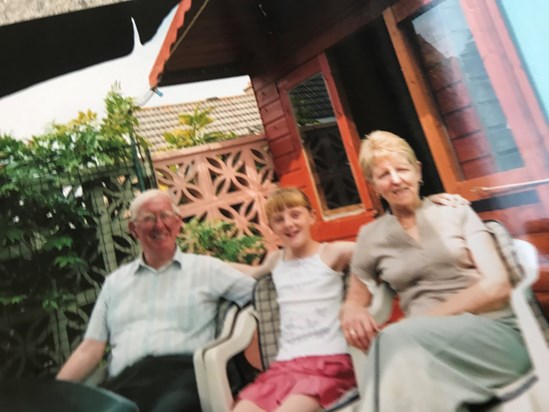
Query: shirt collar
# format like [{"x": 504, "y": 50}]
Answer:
[
  {"x": 139, "y": 265},
  {"x": 425, "y": 202}
]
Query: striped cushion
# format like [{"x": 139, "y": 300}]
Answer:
[
  {"x": 266, "y": 306},
  {"x": 506, "y": 249}
]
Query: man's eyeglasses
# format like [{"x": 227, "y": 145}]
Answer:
[{"x": 151, "y": 219}]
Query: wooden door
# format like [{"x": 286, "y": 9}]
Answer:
[{"x": 480, "y": 113}]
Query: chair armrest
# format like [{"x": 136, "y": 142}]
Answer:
[
  {"x": 381, "y": 309},
  {"x": 359, "y": 365},
  {"x": 381, "y": 306},
  {"x": 198, "y": 357},
  {"x": 528, "y": 323},
  {"x": 98, "y": 376},
  {"x": 216, "y": 358}
]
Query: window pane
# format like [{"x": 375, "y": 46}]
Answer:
[
  {"x": 529, "y": 27},
  {"x": 477, "y": 127},
  {"x": 322, "y": 142}
]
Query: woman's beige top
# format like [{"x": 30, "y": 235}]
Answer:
[{"x": 426, "y": 272}]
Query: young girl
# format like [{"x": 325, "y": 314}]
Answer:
[{"x": 312, "y": 368}]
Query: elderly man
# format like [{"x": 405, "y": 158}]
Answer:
[{"x": 154, "y": 312}]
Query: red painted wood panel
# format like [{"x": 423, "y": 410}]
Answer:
[
  {"x": 266, "y": 95},
  {"x": 444, "y": 73},
  {"x": 282, "y": 146},
  {"x": 453, "y": 97},
  {"x": 285, "y": 164},
  {"x": 296, "y": 178},
  {"x": 471, "y": 147},
  {"x": 277, "y": 129},
  {"x": 541, "y": 240},
  {"x": 271, "y": 111},
  {"x": 478, "y": 167},
  {"x": 462, "y": 122},
  {"x": 515, "y": 218},
  {"x": 346, "y": 228}
]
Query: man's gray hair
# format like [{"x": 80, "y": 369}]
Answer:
[{"x": 144, "y": 197}]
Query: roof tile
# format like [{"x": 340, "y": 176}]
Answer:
[{"x": 238, "y": 114}]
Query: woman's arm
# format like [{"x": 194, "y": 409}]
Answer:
[
  {"x": 357, "y": 324},
  {"x": 491, "y": 292}
]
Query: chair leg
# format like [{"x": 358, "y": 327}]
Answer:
[
  {"x": 521, "y": 403},
  {"x": 350, "y": 408}
]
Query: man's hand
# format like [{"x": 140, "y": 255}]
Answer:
[
  {"x": 358, "y": 326},
  {"x": 447, "y": 199}
]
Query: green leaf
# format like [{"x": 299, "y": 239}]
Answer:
[
  {"x": 13, "y": 234},
  {"x": 71, "y": 260},
  {"x": 58, "y": 243},
  {"x": 12, "y": 300}
]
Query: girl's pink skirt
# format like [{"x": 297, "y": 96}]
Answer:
[{"x": 324, "y": 378}]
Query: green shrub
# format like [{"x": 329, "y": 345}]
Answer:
[
  {"x": 220, "y": 239},
  {"x": 46, "y": 217}
]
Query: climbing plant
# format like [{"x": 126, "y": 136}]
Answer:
[
  {"x": 220, "y": 239},
  {"x": 44, "y": 214},
  {"x": 193, "y": 129}
]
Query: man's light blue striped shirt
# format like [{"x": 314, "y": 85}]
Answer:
[{"x": 142, "y": 311}]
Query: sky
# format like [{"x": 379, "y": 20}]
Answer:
[{"x": 31, "y": 110}]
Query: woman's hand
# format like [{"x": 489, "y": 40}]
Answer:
[
  {"x": 358, "y": 326},
  {"x": 447, "y": 199}
]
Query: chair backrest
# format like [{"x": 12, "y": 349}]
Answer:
[
  {"x": 266, "y": 306},
  {"x": 528, "y": 258},
  {"x": 521, "y": 260},
  {"x": 239, "y": 371},
  {"x": 507, "y": 250},
  {"x": 226, "y": 310}
]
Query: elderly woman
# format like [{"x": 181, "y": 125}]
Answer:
[{"x": 459, "y": 339}]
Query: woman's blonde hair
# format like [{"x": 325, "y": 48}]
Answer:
[
  {"x": 284, "y": 198},
  {"x": 380, "y": 143}
]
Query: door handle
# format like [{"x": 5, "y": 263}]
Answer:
[{"x": 510, "y": 187}]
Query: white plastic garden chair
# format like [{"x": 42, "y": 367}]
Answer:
[{"x": 530, "y": 393}]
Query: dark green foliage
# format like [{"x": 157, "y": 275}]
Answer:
[
  {"x": 220, "y": 239},
  {"x": 45, "y": 216}
]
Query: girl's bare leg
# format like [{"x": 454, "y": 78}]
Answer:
[
  {"x": 299, "y": 403},
  {"x": 246, "y": 406}
]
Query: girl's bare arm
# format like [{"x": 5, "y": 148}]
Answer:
[
  {"x": 256, "y": 271},
  {"x": 337, "y": 255}
]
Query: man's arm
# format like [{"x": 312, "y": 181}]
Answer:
[{"x": 82, "y": 361}]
